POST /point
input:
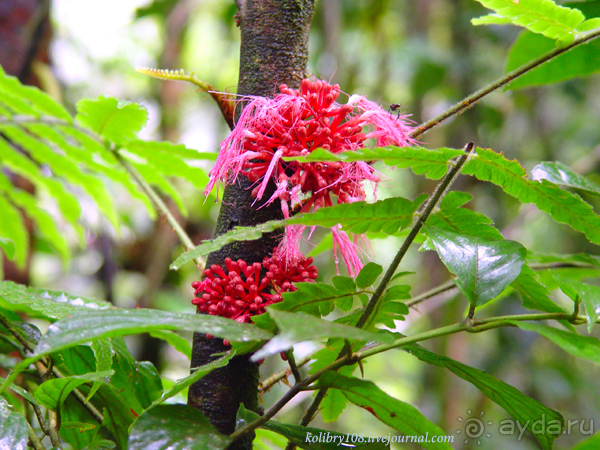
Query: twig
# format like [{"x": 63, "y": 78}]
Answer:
[
  {"x": 475, "y": 326},
  {"x": 33, "y": 438},
  {"x": 476, "y": 96},
  {"x": 53, "y": 427},
  {"x": 266, "y": 385},
  {"x": 439, "y": 192},
  {"x": 293, "y": 367},
  {"x": 161, "y": 207},
  {"x": 447, "y": 286}
]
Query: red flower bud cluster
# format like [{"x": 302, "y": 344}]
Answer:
[{"x": 240, "y": 292}]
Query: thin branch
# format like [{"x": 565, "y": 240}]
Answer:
[
  {"x": 439, "y": 192},
  {"x": 293, "y": 367},
  {"x": 444, "y": 287},
  {"x": 161, "y": 207},
  {"x": 267, "y": 384},
  {"x": 476, "y": 96},
  {"x": 431, "y": 204},
  {"x": 53, "y": 427},
  {"x": 474, "y": 326},
  {"x": 34, "y": 439}
]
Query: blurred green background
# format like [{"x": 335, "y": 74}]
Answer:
[{"x": 422, "y": 54}]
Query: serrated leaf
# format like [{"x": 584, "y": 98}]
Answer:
[
  {"x": 390, "y": 215},
  {"x": 521, "y": 408},
  {"x": 300, "y": 327},
  {"x": 397, "y": 414},
  {"x": 540, "y": 16},
  {"x": 197, "y": 374},
  {"x": 14, "y": 431},
  {"x": 581, "y": 61},
  {"x": 66, "y": 169},
  {"x": 45, "y": 303},
  {"x": 45, "y": 224},
  {"x": 559, "y": 173},
  {"x": 483, "y": 268},
  {"x": 368, "y": 275},
  {"x": 38, "y": 101},
  {"x": 12, "y": 228},
  {"x": 154, "y": 177},
  {"x": 317, "y": 299},
  {"x": 451, "y": 217},
  {"x": 175, "y": 427},
  {"x": 585, "y": 347},
  {"x": 66, "y": 201},
  {"x": 588, "y": 294},
  {"x": 533, "y": 293},
  {"x": 432, "y": 163},
  {"x": 167, "y": 164},
  {"x": 563, "y": 206},
  {"x": 307, "y": 437},
  {"x": 84, "y": 326},
  {"x": 52, "y": 393},
  {"x": 116, "y": 120},
  {"x": 237, "y": 234}
]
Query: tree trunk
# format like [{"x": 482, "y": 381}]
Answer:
[{"x": 274, "y": 50}]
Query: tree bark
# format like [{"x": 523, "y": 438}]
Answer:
[{"x": 274, "y": 50}]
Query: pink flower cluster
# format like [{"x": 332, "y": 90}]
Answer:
[
  {"x": 239, "y": 292},
  {"x": 295, "y": 123}
]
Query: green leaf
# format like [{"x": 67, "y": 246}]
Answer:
[
  {"x": 197, "y": 374},
  {"x": 37, "y": 101},
  {"x": 451, "y": 217},
  {"x": 14, "y": 431},
  {"x": 8, "y": 247},
  {"x": 237, "y": 234},
  {"x": 540, "y": 16},
  {"x": 102, "y": 444},
  {"x": 521, "y": 408},
  {"x": 104, "y": 353},
  {"x": 317, "y": 299},
  {"x": 563, "y": 206},
  {"x": 585, "y": 347},
  {"x": 12, "y": 228},
  {"x": 84, "y": 326},
  {"x": 21, "y": 165},
  {"x": 45, "y": 225},
  {"x": 432, "y": 163},
  {"x": 397, "y": 414},
  {"x": 66, "y": 169},
  {"x": 390, "y": 215},
  {"x": 368, "y": 275},
  {"x": 116, "y": 120},
  {"x": 179, "y": 343},
  {"x": 588, "y": 294},
  {"x": 483, "y": 268},
  {"x": 52, "y": 393},
  {"x": 533, "y": 293},
  {"x": 300, "y": 327},
  {"x": 558, "y": 173},
  {"x": 308, "y": 437},
  {"x": 175, "y": 427},
  {"x": 44, "y": 303},
  {"x": 591, "y": 443}
]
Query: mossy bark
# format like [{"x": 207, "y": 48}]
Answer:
[{"x": 274, "y": 50}]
